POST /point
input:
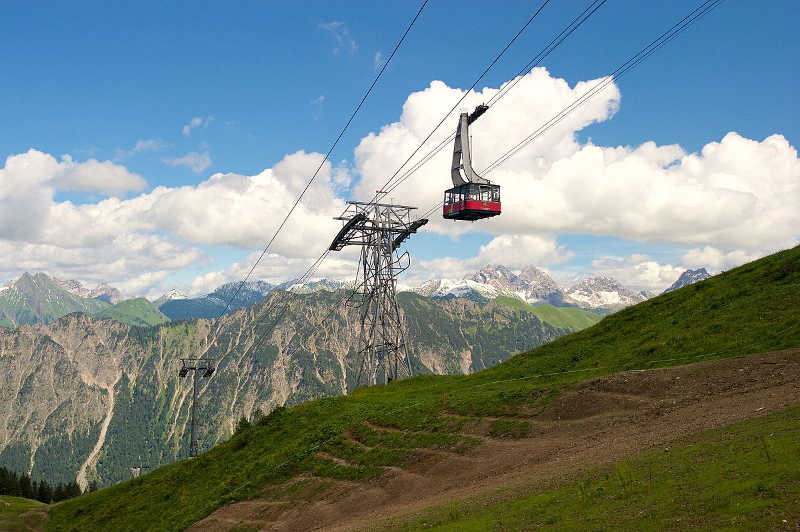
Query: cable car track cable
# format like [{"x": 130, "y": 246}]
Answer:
[
  {"x": 536, "y": 61},
  {"x": 380, "y": 193},
  {"x": 663, "y": 39},
  {"x": 327, "y": 155},
  {"x": 623, "y": 69},
  {"x": 703, "y": 9}
]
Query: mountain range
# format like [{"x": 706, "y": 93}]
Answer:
[
  {"x": 39, "y": 298},
  {"x": 534, "y": 287},
  {"x": 80, "y": 383}
]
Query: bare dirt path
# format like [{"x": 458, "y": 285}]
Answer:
[{"x": 600, "y": 421}]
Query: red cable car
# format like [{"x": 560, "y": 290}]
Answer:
[{"x": 473, "y": 197}]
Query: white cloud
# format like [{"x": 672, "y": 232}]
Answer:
[
  {"x": 96, "y": 176},
  {"x": 319, "y": 100},
  {"x": 341, "y": 34},
  {"x": 196, "y": 161},
  {"x": 717, "y": 259},
  {"x": 638, "y": 271},
  {"x": 196, "y": 122},
  {"x": 735, "y": 193},
  {"x": 135, "y": 240},
  {"x": 377, "y": 61},
  {"x": 142, "y": 145},
  {"x": 513, "y": 251},
  {"x": 29, "y": 180}
]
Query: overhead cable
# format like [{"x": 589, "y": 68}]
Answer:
[{"x": 327, "y": 155}]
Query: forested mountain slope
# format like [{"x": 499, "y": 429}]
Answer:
[{"x": 61, "y": 382}]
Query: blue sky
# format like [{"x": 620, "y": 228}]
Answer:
[{"x": 264, "y": 80}]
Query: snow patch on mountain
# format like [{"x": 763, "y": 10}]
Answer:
[
  {"x": 172, "y": 295},
  {"x": 603, "y": 292}
]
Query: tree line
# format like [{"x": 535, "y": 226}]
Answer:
[{"x": 20, "y": 485}]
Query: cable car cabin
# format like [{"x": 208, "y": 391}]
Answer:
[{"x": 472, "y": 201}]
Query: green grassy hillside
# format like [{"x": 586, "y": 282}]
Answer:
[
  {"x": 139, "y": 312},
  {"x": 37, "y": 298},
  {"x": 738, "y": 477},
  {"x": 751, "y": 309},
  {"x": 572, "y": 318},
  {"x": 10, "y": 510}
]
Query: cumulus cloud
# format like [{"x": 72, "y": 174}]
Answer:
[
  {"x": 638, "y": 271},
  {"x": 196, "y": 122},
  {"x": 717, "y": 259},
  {"x": 340, "y": 34},
  {"x": 196, "y": 161},
  {"x": 736, "y": 192},
  {"x": 132, "y": 240},
  {"x": 125, "y": 260},
  {"x": 734, "y": 200},
  {"x": 96, "y": 176},
  {"x": 28, "y": 182},
  {"x": 513, "y": 251}
]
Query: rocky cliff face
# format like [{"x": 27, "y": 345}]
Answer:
[{"x": 86, "y": 397}]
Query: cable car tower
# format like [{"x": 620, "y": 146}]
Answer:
[
  {"x": 472, "y": 197},
  {"x": 380, "y": 229}
]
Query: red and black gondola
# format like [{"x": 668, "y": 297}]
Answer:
[{"x": 472, "y": 197}]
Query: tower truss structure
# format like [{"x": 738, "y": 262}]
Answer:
[{"x": 379, "y": 229}]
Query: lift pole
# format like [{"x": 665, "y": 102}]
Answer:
[
  {"x": 379, "y": 229},
  {"x": 194, "y": 365}
]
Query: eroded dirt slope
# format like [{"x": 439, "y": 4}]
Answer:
[{"x": 596, "y": 422}]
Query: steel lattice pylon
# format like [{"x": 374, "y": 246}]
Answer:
[{"x": 379, "y": 229}]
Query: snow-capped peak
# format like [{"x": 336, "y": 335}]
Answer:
[
  {"x": 172, "y": 294},
  {"x": 603, "y": 292}
]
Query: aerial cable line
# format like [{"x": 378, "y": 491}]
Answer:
[
  {"x": 379, "y": 194},
  {"x": 482, "y": 75},
  {"x": 624, "y": 68},
  {"x": 327, "y": 155},
  {"x": 536, "y": 61},
  {"x": 591, "y": 8},
  {"x": 644, "y": 53}
]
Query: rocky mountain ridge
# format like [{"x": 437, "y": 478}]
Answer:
[
  {"x": 102, "y": 291},
  {"x": 689, "y": 277},
  {"x": 533, "y": 286},
  {"x": 604, "y": 292}
]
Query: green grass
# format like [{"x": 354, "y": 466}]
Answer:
[
  {"x": 139, "y": 312},
  {"x": 10, "y": 510},
  {"x": 751, "y": 309},
  {"x": 744, "y": 476},
  {"x": 572, "y": 318}
]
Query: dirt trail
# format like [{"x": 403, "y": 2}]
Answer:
[{"x": 597, "y": 422}]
